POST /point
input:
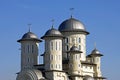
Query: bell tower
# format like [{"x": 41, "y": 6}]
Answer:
[
  {"x": 29, "y": 50},
  {"x": 75, "y": 34},
  {"x": 53, "y": 54}
]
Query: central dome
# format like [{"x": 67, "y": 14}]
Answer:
[{"x": 72, "y": 24}]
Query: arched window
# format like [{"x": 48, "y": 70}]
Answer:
[
  {"x": 59, "y": 46},
  {"x": 51, "y": 57},
  {"x": 51, "y": 45},
  {"x": 67, "y": 40},
  {"x": 79, "y": 40},
  {"x": 56, "y": 45},
  {"x": 79, "y": 47},
  {"x": 32, "y": 48},
  {"x": 28, "y": 48},
  {"x": 67, "y": 47}
]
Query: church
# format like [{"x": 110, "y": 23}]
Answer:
[{"x": 64, "y": 57}]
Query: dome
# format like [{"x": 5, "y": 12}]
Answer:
[
  {"x": 74, "y": 49},
  {"x": 88, "y": 78},
  {"x": 29, "y": 36},
  {"x": 72, "y": 25},
  {"x": 53, "y": 33},
  {"x": 95, "y": 52}
]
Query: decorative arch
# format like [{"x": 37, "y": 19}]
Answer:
[{"x": 30, "y": 75}]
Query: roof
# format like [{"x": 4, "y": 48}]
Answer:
[
  {"x": 95, "y": 52},
  {"x": 72, "y": 24},
  {"x": 74, "y": 49},
  {"x": 29, "y": 36},
  {"x": 52, "y": 33}
]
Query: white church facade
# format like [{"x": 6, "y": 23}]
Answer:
[{"x": 64, "y": 57}]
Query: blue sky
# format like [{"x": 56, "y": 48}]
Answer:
[{"x": 100, "y": 17}]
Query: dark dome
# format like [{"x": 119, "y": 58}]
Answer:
[
  {"x": 88, "y": 78},
  {"x": 74, "y": 49},
  {"x": 95, "y": 52},
  {"x": 53, "y": 33},
  {"x": 29, "y": 36},
  {"x": 72, "y": 25}
]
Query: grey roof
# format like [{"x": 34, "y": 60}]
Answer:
[
  {"x": 72, "y": 24},
  {"x": 95, "y": 52},
  {"x": 52, "y": 33},
  {"x": 29, "y": 36},
  {"x": 88, "y": 78},
  {"x": 74, "y": 49}
]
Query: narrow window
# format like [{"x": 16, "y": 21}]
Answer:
[
  {"x": 56, "y": 45},
  {"x": 79, "y": 47},
  {"x": 56, "y": 65},
  {"x": 59, "y": 66},
  {"x": 67, "y": 47},
  {"x": 59, "y": 46},
  {"x": 79, "y": 40},
  {"x": 28, "y": 48},
  {"x": 32, "y": 48},
  {"x": 28, "y": 60},
  {"x": 51, "y": 57},
  {"x": 76, "y": 57},
  {"x": 67, "y": 40},
  {"x": 52, "y": 45},
  {"x": 51, "y": 65}
]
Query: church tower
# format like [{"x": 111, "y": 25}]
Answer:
[
  {"x": 53, "y": 53},
  {"x": 96, "y": 59},
  {"x": 74, "y": 63},
  {"x": 75, "y": 34},
  {"x": 29, "y": 50}
]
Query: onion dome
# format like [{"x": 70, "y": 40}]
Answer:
[
  {"x": 52, "y": 33},
  {"x": 95, "y": 52},
  {"x": 29, "y": 36},
  {"x": 74, "y": 49},
  {"x": 72, "y": 25},
  {"x": 88, "y": 78}
]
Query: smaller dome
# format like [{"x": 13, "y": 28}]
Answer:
[
  {"x": 88, "y": 78},
  {"x": 52, "y": 33},
  {"x": 74, "y": 49},
  {"x": 29, "y": 36},
  {"x": 95, "y": 52}
]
